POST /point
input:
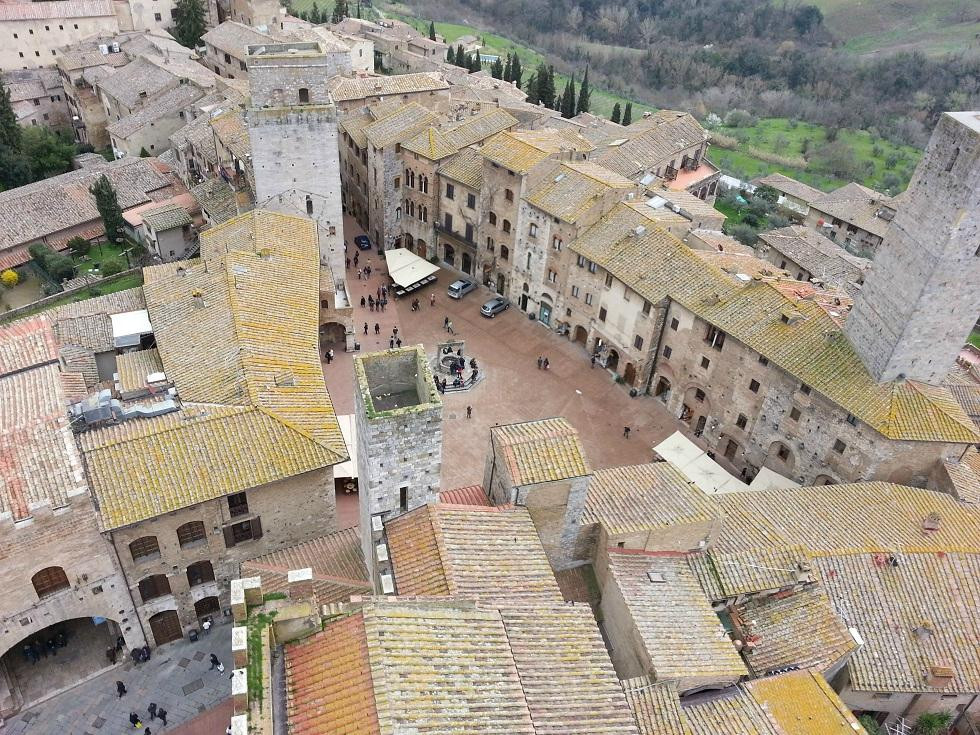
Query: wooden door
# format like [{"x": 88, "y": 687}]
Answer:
[{"x": 166, "y": 627}]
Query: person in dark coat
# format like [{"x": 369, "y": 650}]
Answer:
[
  {"x": 162, "y": 714},
  {"x": 120, "y": 689},
  {"x": 152, "y": 709},
  {"x": 215, "y": 663}
]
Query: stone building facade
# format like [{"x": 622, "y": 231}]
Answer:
[
  {"x": 398, "y": 414},
  {"x": 180, "y": 565},
  {"x": 919, "y": 302},
  {"x": 34, "y": 31}
]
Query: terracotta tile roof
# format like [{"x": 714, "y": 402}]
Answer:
[
  {"x": 742, "y": 263},
  {"x": 167, "y": 104},
  {"x": 438, "y": 143},
  {"x": 819, "y": 255},
  {"x": 857, "y": 205},
  {"x": 264, "y": 413},
  {"x": 802, "y": 703},
  {"x": 657, "y": 265},
  {"x": 800, "y": 629},
  {"x": 681, "y": 635},
  {"x": 232, "y": 38},
  {"x": 571, "y": 190},
  {"x": 329, "y": 685},
  {"x": 791, "y": 187},
  {"x": 138, "y": 80},
  {"x": 641, "y": 497},
  {"x": 472, "y": 552},
  {"x": 134, "y": 367},
  {"x": 965, "y": 476},
  {"x": 217, "y": 198},
  {"x": 656, "y": 706},
  {"x": 440, "y": 666},
  {"x": 935, "y": 593},
  {"x": 167, "y": 217},
  {"x": 733, "y": 710},
  {"x": 651, "y": 143},
  {"x": 471, "y": 495},
  {"x": 41, "y": 464},
  {"x": 132, "y": 299},
  {"x": 345, "y": 89},
  {"x": 399, "y": 125},
  {"x": 466, "y": 167},
  {"x": 721, "y": 242},
  {"x": 520, "y": 151},
  {"x": 56, "y": 9},
  {"x": 232, "y": 132},
  {"x": 336, "y": 560},
  {"x": 746, "y": 571},
  {"x": 540, "y": 451},
  {"x": 431, "y": 143},
  {"x": 355, "y": 124}
]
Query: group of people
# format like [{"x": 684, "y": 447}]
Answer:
[
  {"x": 456, "y": 367},
  {"x": 543, "y": 363},
  {"x": 156, "y": 713},
  {"x": 40, "y": 648},
  {"x": 376, "y": 304}
]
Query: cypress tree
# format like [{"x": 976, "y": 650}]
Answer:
[
  {"x": 515, "y": 70},
  {"x": 568, "y": 99},
  {"x": 358, "y": 10},
  {"x": 315, "y": 14},
  {"x": 432, "y": 30},
  {"x": 584, "y": 94},
  {"x": 546, "y": 86},
  {"x": 190, "y": 25},
  {"x": 107, "y": 203},
  {"x": 532, "y": 90},
  {"x": 451, "y": 55},
  {"x": 9, "y": 129},
  {"x": 628, "y": 114},
  {"x": 506, "y": 76},
  {"x": 616, "y": 113},
  {"x": 475, "y": 64},
  {"x": 461, "y": 57},
  {"x": 339, "y": 11},
  {"x": 497, "y": 69}
]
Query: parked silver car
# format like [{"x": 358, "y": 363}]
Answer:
[
  {"x": 494, "y": 306},
  {"x": 458, "y": 289}
]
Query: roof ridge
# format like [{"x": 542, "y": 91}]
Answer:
[
  {"x": 272, "y": 413},
  {"x": 917, "y": 386},
  {"x": 322, "y": 577},
  {"x": 238, "y": 409}
]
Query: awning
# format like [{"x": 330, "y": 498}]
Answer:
[
  {"x": 697, "y": 466},
  {"x": 347, "y": 428},
  {"x": 406, "y": 268}
]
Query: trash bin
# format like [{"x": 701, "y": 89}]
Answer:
[
  {"x": 357, "y": 346},
  {"x": 193, "y": 636}
]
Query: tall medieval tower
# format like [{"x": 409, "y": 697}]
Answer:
[
  {"x": 921, "y": 299},
  {"x": 292, "y": 123}
]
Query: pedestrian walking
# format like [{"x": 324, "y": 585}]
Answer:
[
  {"x": 145, "y": 653},
  {"x": 383, "y": 303},
  {"x": 445, "y": 323},
  {"x": 384, "y": 292},
  {"x": 540, "y": 362},
  {"x": 469, "y": 412},
  {"x": 398, "y": 342},
  {"x": 379, "y": 293},
  {"x": 546, "y": 364},
  {"x": 356, "y": 258},
  {"x": 593, "y": 361},
  {"x": 394, "y": 331},
  {"x": 358, "y": 274},
  {"x": 391, "y": 343},
  {"x": 347, "y": 264},
  {"x": 432, "y": 299},
  {"x": 363, "y": 302},
  {"x": 215, "y": 663},
  {"x": 329, "y": 360},
  {"x": 377, "y": 328},
  {"x": 134, "y": 720},
  {"x": 120, "y": 689},
  {"x": 152, "y": 709},
  {"x": 626, "y": 432},
  {"x": 120, "y": 643},
  {"x": 450, "y": 328},
  {"x": 162, "y": 714},
  {"x": 365, "y": 327}
]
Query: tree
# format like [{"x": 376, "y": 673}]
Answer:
[
  {"x": 48, "y": 152},
  {"x": 56, "y": 265},
  {"x": 190, "y": 25},
  {"x": 767, "y": 193},
  {"x": 79, "y": 246},
  {"x": 9, "y": 278},
  {"x": 506, "y": 76},
  {"x": 107, "y": 203},
  {"x": 546, "y": 85},
  {"x": 516, "y": 72},
  {"x": 461, "y": 59},
  {"x": 628, "y": 114},
  {"x": 10, "y": 131},
  {"x": 532, "y": 90},
  {"x": 497, "y": 69},
  {"x": 568, "y": 99},
  {"x": 838, "y": 159},
  {"x": 807, "y": 18},
  {"x": 451, "y": 55},
  {"x": 616, "y": 113},
  {"x": 584, "y": 94},
  {"x": 112, "y": 266},
  {"x": 475, "y": 64},
  {"x": 432, "y": 28},
  {"x": 340, "y": 11},
  {"x": 745, "y": 234}
]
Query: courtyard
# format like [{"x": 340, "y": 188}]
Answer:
[{"x": 513, "y": 389}]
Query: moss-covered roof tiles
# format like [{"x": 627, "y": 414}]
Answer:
[{"x": 540, "y": 451}]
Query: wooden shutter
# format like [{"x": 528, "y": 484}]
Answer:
[
  {"x": 229, "y": 537},
  {"x": 256, "y": 528}
]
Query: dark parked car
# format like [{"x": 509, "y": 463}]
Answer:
[
  {"x": 494, "y": 306},
  {"x": 363, "y": 242}
]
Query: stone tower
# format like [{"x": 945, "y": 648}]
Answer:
[
  {"x": 398, "y": 413},
  {"x": 292, "y": 123},
  {"x": 921, "y": 299}
]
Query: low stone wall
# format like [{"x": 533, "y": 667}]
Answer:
[{"x": 49, "y": 301}]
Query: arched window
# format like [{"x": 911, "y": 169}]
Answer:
[
  {"x": 156, "y": 585},
  {"x": 144, "y": 548},
  {"x": 49, "y": 581},
  {"x": 529, "y": 261},
  {"x": 493, "y": 219},
  {"x": 425, "y": 214},
  {"x": 504, "y": 252},
  {"x": 309, "y": 205},
  {"x": 304, "y": 96},
  {"x": 199, "y": 573},
  {"x": 191, "y": 534},
  {"x": 506, "y": 225}
]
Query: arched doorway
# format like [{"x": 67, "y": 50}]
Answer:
[
  {"x": 524, "y": 297},
  {"x": 207, "y": 607},
  {"x": 165, "y": 627},
  {"x": 449, "y": 254},
  {"x": 332, "y": 334},
  {"x": 612, "y": 360},
  {"x": 662, "y": 391},
  {"x": 467, "y": 264},
  {"x": 500, "y": 283},
  {"x": 581, "y": 335},
  {"x": 629, "y": 374},
  {"x": 57, "y": 657},
  {"x": 420, "y": 248},
  {"x": 487, "y": 277}
]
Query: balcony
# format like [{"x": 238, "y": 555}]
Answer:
[{"x": 443, "y": 230}]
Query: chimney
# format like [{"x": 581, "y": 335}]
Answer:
[
  {"x": 300, "y": 584},
  {"x": 939, "y": 677},
  {"x": 924, "y": 630},
  {"x": 931, "y": 522}
]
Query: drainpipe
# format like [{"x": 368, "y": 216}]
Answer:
[
  {"x": 962, "y": 714},
  {"x": 139, "y": 619},
  {"x": 656, "y": 354}
]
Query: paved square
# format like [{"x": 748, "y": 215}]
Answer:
[
  {"x": 184, "y": 691},
  {"x": 506, "y": 349}
]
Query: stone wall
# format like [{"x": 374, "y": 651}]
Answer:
[
  {"x": 920, "y": 301},
  {"x": 290, "y": 511},
  {"x": 69, "y": 538},
  {"x": 556, "y": 509}
]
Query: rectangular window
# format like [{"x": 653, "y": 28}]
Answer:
[
  {"x": 532, "y": 230},
  {"x": 592, "y": 267},
  {"x": 763, "y": 360},
  {"x": 609, "y": 280},
  {"x": 638, "y": 342},
  {"x": 851, "y": 419},
  {"x": 646, "y": 308},
  {"x": 398, "y": 182},
  {"x": 705, "y": 362},
  {"x": 450, "y": 191},
  {"x": 667, "y": 352},
  {"x": 626, "y": 293},
  {"x": 245, "y": 531},
  {"x": 469, "y": 232},
  {"x": 552, "y": 276},
  {"x": 508, "y": 195},
  {"x": 794, "y": 413},
  {"x": 449, "y": 222},
  {"x": 674, "y": 324},
  {"x": 157, "y": 17},
  {"x": 602, "y": 313},
  {"x": 754, "y": 385},
  {"x": 839, "y": 446},
  {"x": 742, "y": 421},
  {"x": 804, "y": 389},
  {"x": 471, "y": 201},
  {"x": 580, "y": 261},
  {"x": 403, "y": 498},
  {"x": 699, "y": 395},
  {"x": 238, "y": 504},
  {"x": 588, "y": 299},
  {"x": 715, "y": 337},
  {"x": 556, "y": 243},
  {"x": 575, "y": 292}
]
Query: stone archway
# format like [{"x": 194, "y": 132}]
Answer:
[
  {"x": 467, "y": 263},
  {"x": 581, "y": 335},
  {"x": 165, "y": 626},
  {"x": 332, "y": 334},
  {"x": 449, "y": 254},
  {"x": 207, "y": 607},
  {"x": 612, "y": 360},
  {"x": 780, "y": 458},
  {"x": 662, "y": 391}
]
